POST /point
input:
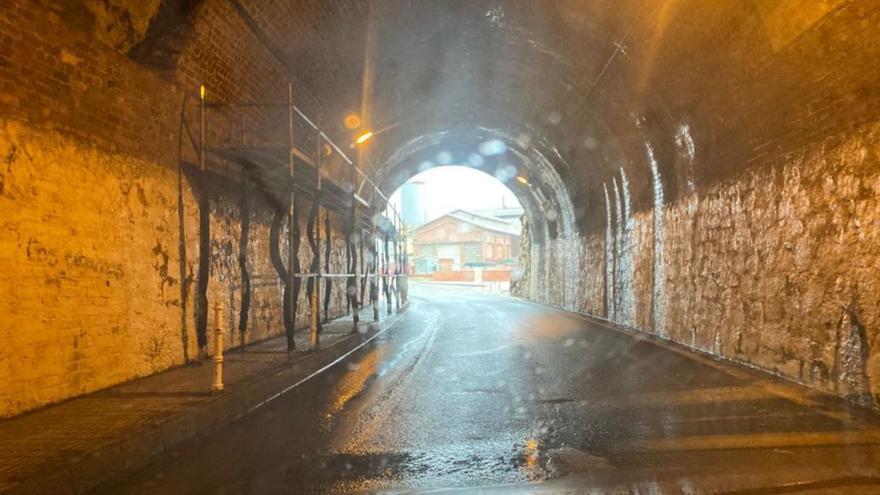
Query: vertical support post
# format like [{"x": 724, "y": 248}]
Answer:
[
  {"x": 315, "y": 304},
  {"x": 364, "y": 268},
  {"x": 204, "y": 236},
  {"x": 217, "y": 386},
  {"x": 245, "y": 289},
  {"x": 291, "y": 220},
  {"x": 374, "y": 268},
  {"x": 352, "y": 285},
  {"x": 404, "y": 261},
  {"x": 396, "y": 265},
  {"x": 387, "y": 287},
  {"x": 202, "y": 127},
  {"x": 328, "y": 251}
]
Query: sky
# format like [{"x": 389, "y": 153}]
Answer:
[{"x": 448, "y": 188}]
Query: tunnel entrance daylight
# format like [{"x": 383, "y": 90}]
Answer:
[
  {"x": 464, "y": 228},
  {"x": 547, "y": 263}
]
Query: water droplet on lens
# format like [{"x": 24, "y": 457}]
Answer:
[
  {"x": 444, "y": 158},
  {"x": 492, "y": 147},
  {"x": 476, "y": 160},
  {"x": 505, "y": 172}
]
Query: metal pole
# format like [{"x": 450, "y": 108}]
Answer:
[
  {"x": 364, "y": 266},
  {"x": 314, "y": 337},
  {"x": 387, "y": 273},
  {"x": 202, "y": 127},
  {"x": 291, "y": 219},
  {"x": 404, "y": 260},
  {"x": 374, "y": 269},
  {"x": 217, "y": 386},
  {"x": 328, "y": 252},
  {"x": 397, "y": 267},
  {"x": 352, "y": 286},
  {"x": 202, "y": 299}
]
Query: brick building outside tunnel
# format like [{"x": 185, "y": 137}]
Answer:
[
  {"x": 704, "y": 172},
  {"x": 464, "y": 239}
]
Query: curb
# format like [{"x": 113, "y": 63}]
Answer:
[
  {"x": 827, "y": 403},
  {"x": 126, "y": 455}
]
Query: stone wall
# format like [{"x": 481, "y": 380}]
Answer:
[
  {"x": 88, "y": 268},
  {"x": 99, "y": 231},
  {"x": 777, "y": 268}
]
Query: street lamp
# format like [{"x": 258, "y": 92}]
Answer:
[
  {"x": 363, "y": 137},
  {"x": 367, "y": 135}
]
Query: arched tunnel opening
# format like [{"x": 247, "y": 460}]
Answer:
[
  {"x": 464, "y": 225},
  {"x": 202, "y": 256},
  {"x": 549, "y": 221}
]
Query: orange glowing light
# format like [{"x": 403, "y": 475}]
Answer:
[
  {"x": 352, "y": 121},
  {"x": 363, "y": 138},
  {"x": 522, "y": 180},
  {"x": 532, "y": 462},
  {"x": 202, "y": 91}
]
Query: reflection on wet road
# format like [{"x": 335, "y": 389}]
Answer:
[{"x": 475, "y": 390}]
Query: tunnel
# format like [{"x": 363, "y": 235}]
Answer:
[{"x": 184, "y": 177}]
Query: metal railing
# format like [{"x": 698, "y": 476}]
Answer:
[{"x": 378, "y": 268}]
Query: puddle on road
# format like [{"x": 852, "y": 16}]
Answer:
[{"x": 525, "y": 462}]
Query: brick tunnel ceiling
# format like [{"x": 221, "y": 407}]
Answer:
[{"x": 710, "y": 87}]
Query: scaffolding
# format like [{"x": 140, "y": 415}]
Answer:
[{"x": 332, "y": 182}]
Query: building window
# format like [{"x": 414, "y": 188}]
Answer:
[
  {"x": 428, "y": 250},
  {"x": 470, "y": 253}
]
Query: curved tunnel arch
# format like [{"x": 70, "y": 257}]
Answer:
[
  {"x": 699, "y": 106},
  {"x": 711, "y": 168},
  {"x": 586, "y": 131},
  {"x": 530, "y": 175}
]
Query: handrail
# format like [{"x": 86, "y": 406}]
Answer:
[{"x": 322, "y": 134}]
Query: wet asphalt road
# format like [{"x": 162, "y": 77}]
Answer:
[{"x": 471, "y": 390}]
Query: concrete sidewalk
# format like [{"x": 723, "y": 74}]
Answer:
[{"x": 71, "y": 447}]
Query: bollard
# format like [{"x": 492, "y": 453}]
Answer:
[{"x": 218, "y": 350}]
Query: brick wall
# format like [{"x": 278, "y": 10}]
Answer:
[
  {"x": 88, "y": 260},
  {"x": 453, "y": 276},
  {"x": 99, "y": 240}
]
